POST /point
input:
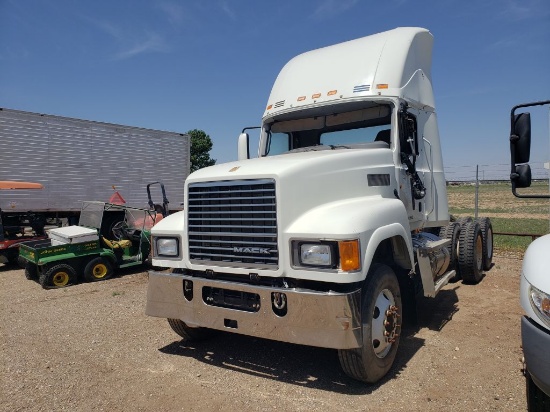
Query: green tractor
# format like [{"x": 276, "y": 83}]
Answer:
[{"x": 75, "y": 253}]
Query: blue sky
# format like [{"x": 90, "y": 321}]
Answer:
[{"x": 180, "y": 65}]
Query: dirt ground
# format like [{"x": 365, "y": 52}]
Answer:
[{"x": 90, "y": 347}]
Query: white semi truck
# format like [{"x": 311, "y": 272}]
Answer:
[
  {"x": 328, "y": 235},
  {"x": 535, "y": 276}
]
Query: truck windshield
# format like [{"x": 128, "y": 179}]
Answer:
[{"x": 337, "y": 130}]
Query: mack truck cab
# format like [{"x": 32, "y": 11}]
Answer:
[
  {"x": 535, "y": 273},
  {"x": 327, "y": 235}
]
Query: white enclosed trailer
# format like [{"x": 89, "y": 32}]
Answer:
[
  {"x": 80, "y": 160},
  {"x": 342, "y": 219}
]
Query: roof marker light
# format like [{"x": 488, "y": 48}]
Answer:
[
  {"x": 382, "y": 86},
  {"x": 332, "y": 92},
  {"x": 316, "y": 96},
  {"x": 269, "y": 107},
  {"x": 301, "y": 98}
]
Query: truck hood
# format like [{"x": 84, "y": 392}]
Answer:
[
  {"x": 306, "y": 180},
  {"x": 536, "y": 263},
  {"x": 297, "y": 163}
]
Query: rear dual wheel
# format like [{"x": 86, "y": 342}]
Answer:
[
  {"x": 470, "y": 256},
  {"x": 487, "y": 243}
]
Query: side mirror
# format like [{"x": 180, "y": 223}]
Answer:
[
  {"x": 520, "y": 148},
  {"x": 520, "y": 138},
  {"x": 243, "y": 147},
  {"x": 522, "y": 176}
]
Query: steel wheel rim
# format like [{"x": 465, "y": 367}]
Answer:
[
  {"x": 384, "y": 323},
  {"x": 60, "y": 279},
  {"x": 99, "y": 271}
]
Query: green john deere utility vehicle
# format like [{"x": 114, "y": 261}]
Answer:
[{"x": 75, "y": 253}]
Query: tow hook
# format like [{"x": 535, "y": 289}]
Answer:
[{"x": 278, "y": 301}]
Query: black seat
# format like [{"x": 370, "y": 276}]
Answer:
[{"x": 383, "y": 136}]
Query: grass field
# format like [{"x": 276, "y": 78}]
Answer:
[{"x": 508, "y": 214}]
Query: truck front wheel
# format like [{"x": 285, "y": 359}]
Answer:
[
  {"x": 381, "y": 312},
  {"x": 188, "y": 333}
]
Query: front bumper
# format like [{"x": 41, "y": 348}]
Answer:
[
  {"x": 323, "y": 319},
  {"x": 535, "y": 342}
]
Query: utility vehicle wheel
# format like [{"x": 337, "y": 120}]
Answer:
[
  {"x": 21, "y": 262},
  {"x": 98, "y": 268},
  {"x": 452, "y": 231},
  {"x": 58, "y": 276},
  {"x": 487, "y": 234},
  {"x": 31, "y": 271},
  {"x": 537, "y": 400},
  {"x": 470, "y": 256},
  {"x": 188, "y": 333},
  {"x": 12, "y": 257},
  {"x": 381, "y": 311}
]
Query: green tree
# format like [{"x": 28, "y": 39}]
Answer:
[{"x": 201, "y": 144}]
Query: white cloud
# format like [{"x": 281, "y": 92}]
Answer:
[
  {"x": 227, "y": 10},
  {"x": 329, "y": 8},
  {"x": 525, "y": 9},
  {"x": 153, "y": 42},
  {"x": 174, "y": 11}
]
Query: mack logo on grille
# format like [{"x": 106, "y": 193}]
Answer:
[{"x": 255, "y": 250}]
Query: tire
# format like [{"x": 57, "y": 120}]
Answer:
[
  {"x": 109, "y": 221},
  {"x": 21, "y": 262},
  {"x": 452, "y": 232},
  {"x": 12, "y": 256},
  {"x": 57, "y": 276},
  {"x": 463, "y": 220},
  {"x": 470, "y": 256},
  {"x": 537, "y": 400},
  {"x": 98, "y": 268},
  {"x": 189, "y": 334},
  {"x": 381, "y": 302},
  {"x": 487, "y": 234},
  {"x": 31, "y": 271}
]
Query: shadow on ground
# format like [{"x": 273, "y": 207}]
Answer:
[{"x": 309, "y": 366}]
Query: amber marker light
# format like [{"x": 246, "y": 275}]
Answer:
[
  {"x": 316, "y": 96},
  {"x": 382, "y": 86},
  {"x": 269, "y": 107},
  {"x": 301, "y": 98},
  {"x": 332, "y": 92},
  {"x": 349, "y": 255}
]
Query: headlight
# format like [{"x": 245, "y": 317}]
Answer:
[
  {"x": 343, "y": 254},
  {"x": 167, "y": 247},
  {"x": 316, "y": 254},
  {"x": 540, "y": 301}
]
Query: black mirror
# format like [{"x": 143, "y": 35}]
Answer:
[
  {"x": 523, "y": 176},
  {"x": 520, "y": 147},
  {"x": 520, "y": 138}
]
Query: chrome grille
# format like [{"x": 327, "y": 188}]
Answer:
[{"x": 233, "y": 223}]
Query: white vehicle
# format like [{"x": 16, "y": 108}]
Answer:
[
  {"x": 328, "y": 235},
  {"x": 535, "y": 276}
]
